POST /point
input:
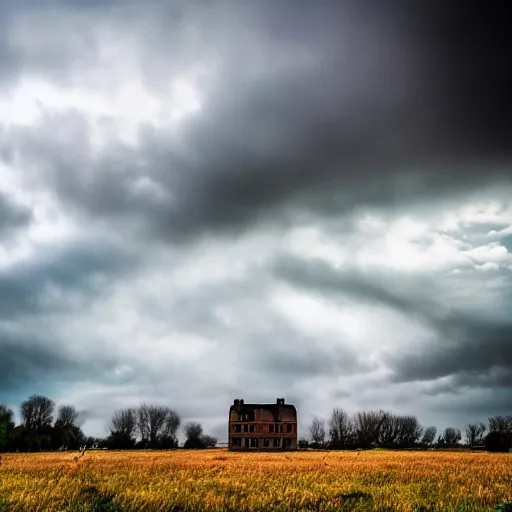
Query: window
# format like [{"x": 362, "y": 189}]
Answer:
[
  {"x": 246, "y": 428},
  {"x": 271, "y": 428},
  {"x": 266, "y": 443},
  {"x": 278, "y": 443},
  {"x": 238, "y": 428},
  {"x": 289, "y": 428},
  {"x": 251, "y": 428},
  {"x": 253, "y": 443},
  {"x": 236, "y": 442}
]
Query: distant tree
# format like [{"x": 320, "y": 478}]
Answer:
[
  {"x": 500, "y": 424},
  {"x": 474, "y": 434},
  {"x": 367, "y": 425},
  {"x": 451, "y": 437},
  {"x": 410, "y": 431},
  {"x": 499, "y": 438},
  {"x": 196, "y": 438},
  {"x": 209, "y": 441},
  {"x": 67, "y": 415},
  {"x": 66, "y": 434},
  {"x": 193, "y": 433},
  {"x": 94, "y": 442},
  {"x": 389, "y": 430},
  {"x": 37, "y": 417},
  {"x": 6, "y": 428},
  {"x": 429, "y": 436},
  {"x": 340, "y": 429},
  {"x": 156, "y": 425},
  {"x": 317, "y": 433},
  {"x": 303, "y": 443},
  {"x": 37, "y": 412},
  {"x": 169, "y": 437},
  {"x": 124, "y": 422}
]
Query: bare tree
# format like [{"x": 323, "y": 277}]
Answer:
[
  {"x": 123, "y": 422},
  {"x": 340, "y": 429},
  {"x": 410, "y": 431},
  {"x": 367, "y": 425},
  {"x": 389, "y": 430},
  {"x": 499, "y": 438},
  {"x": 172, "y": 423},
  {"x": 501, "y": 424},
  {"x": 474, "y": 434},
  {"x": 67, "y": 415},
  {"x": 317, "y": 432},
  {"x": 451, "y": 436},
  {"x": 155, "y": 422},
  {"x": 37, "y": 412},
  {"x": 429, "y": 436}
]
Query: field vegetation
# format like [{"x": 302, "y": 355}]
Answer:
[{"x": 183, "y": 480}]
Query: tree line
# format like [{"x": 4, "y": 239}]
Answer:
[
  {"x": 44, "y": 427},
  {"x": 371, "y": 429}
]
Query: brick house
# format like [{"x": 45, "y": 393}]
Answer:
[{"x": 262, "y": 426}]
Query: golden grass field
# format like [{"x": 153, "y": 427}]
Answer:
[{"x": 219, "y": 480}]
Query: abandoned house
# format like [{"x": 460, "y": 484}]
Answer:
[{"x": 262, "y": 426}]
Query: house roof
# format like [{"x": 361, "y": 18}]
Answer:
[{"x": 274, "y": 408}]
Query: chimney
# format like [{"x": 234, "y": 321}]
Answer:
[
  {"x": 241, "y": 401},
  {"x": 236, "y": 402}
]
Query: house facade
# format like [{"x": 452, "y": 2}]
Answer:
[{"x": 262, "y": 427}]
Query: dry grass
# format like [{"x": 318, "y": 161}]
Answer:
[{"x": 219, "y": 480}]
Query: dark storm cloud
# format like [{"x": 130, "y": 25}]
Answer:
[
  {"x": 468, "y": 347},
  {"x": 463, "y": 344},
  {"x": 29, "y": 361},
  {"x": 12, "y": 215},
  {"x": 26, "y": 362},
  {"x": 331, "y": 106},
  {"x": 59, "y": 277}
]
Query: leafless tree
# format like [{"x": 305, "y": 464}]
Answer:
[
  {"x": 317, "y": 432},
  {"x": 172, "y": 424},
  {"x": 67, "y": 415},
  {"x": 389, "y": 430},
  {"x": 451, "y": 436},
  {"x": 474, "y": 434},
  {"x": 123, "y": 422},
  {"x": 410, "y": 431},
  {"x": 37, "y": 412},
  {"x": 155, "y": 422},
  {"x": 499, "y": 438},
  {"x": 501, "y": 424},
  {"x": 367, "y": 425},
  {"x": 340, "y": 428},
  {"x": 429, "y": 436}
]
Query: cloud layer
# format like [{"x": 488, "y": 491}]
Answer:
[{"x": 208, "y": 200}]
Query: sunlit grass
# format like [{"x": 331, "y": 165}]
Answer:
[{"x": 220, "y": 480}]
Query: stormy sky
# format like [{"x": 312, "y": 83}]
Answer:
[{"x": 206, "y": 199}]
